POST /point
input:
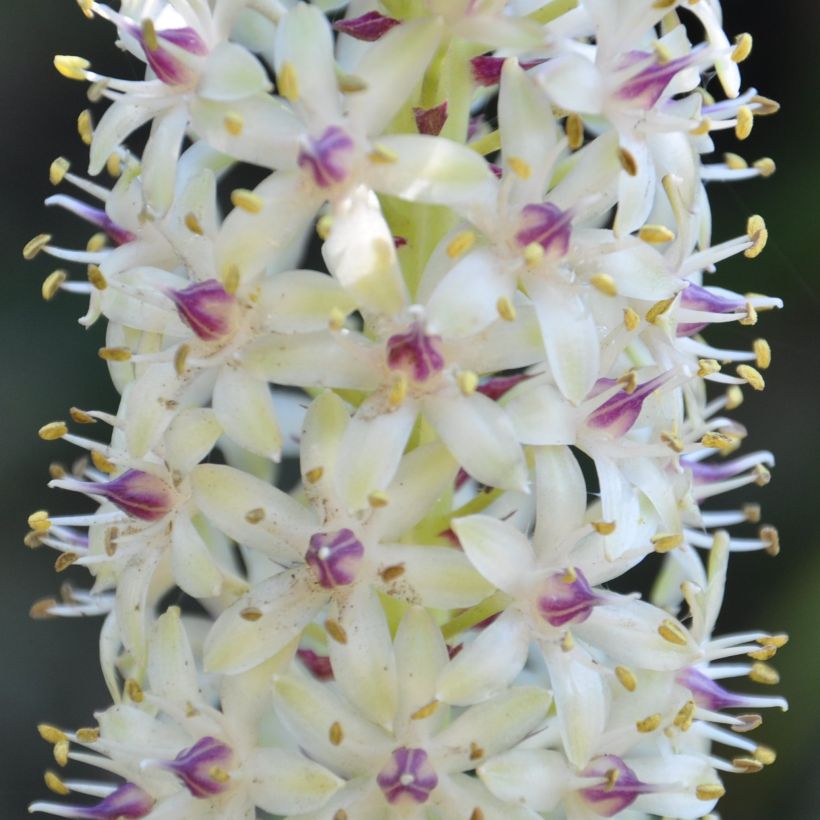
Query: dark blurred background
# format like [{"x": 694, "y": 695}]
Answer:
[{"x": 49, "y": 668}]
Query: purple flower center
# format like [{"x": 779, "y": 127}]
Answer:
[
  {"x": 566, "y": 598},
  {"x": 96, "y": 216},
  {"x": 208, "y": 309},
  {"x": 547, "y": 225},
  {"x": 706, "y": 693},
  {"x": 138, "y": 494},
  {"x": 645, "y": 88},
  {"x": 369, "y": 27},
  {"x": 415, "y": 352},
  {"x": 618, "y": 414},
  {"x": 408, "y": 774},
  {"x": 335, "y": 557},
  {"x": 324, "y": 157},
  {"x": 165, "y": 52},
  {"x": 695, "y": 297},
  {"x": 203, "y": 767},
  {"x": 620, "y": 791}
]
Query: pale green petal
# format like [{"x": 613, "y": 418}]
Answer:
[
  {"x": 194, "y": 568},
  {"x": 159, "y": 159},
  {"x": 457, "y": 792},
  {"x": 172, "y": 672},
  {"x": 190, "y": 437},
  {"x": 232, "y": 73},
  {"x": 149, "y": 412},
  {"x": 535, "y": 778},
  {"x": 121, "y": 118},
  {"x": 561, "y": 494},
  {"x": 540, "y": 414}
]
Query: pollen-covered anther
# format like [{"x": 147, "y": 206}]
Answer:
[
  {"x": 631, "y": 319},
  {"x": 574, "y": 128},
  {"x": 461, "y": 243},
  {"x": 250, "y": 613},
  {"x": 765, "y": 755},
  {"x": 234, "y": 122},
  {"x": 771, "y": 538},
  {"x": 71, "y": 66},
  {"x": 666, "y": 542},
  {"x": 703, "y": 127},
  {"x": 398, "y": 390},
  {"x": 775, "y": 640},
  {"x": 34, "y": 246},
  {"x": 708, "y": 367},
  {"x": 335, "y": 734},
  {"x": 506, "y": 309},
  {"x": 85, "y": 126},
  {"x": 655, "y": 234},
  {"x": 762, "y": 475},
  {"x": 382, "y": 155},
  {"x": 604, "y": 527},
  {"x": 533, "y": 254},
  {"x": 60, "y": 752},
  {"x": 764, "y": 674},
  {"x": 734, "y": 162},
  {"x": 193, "y": 224},
  {"x": 134, "y": 691},
  {"x": 425, "y": 711},
  {"x": 673, "y": 441},
  {"x": 114, "y": 354},
  {"x": 287, "y": 82},
  {"x": 709, "y": 791},
  {"x": 392, "y": 572},
  {"x": 315, "y": 474},
  {"x": 747, "y": 765},
  {"x": 336, "y": 631},
  {"x": 467, "y": 382},
  {"x": 765, "y": 653},
  {"x": 51, "y": 734},
  {"x": 102, "y": 463},
  {"x": 65, "y": 560},
  {"x": 734, "y": 397},
  {"x": 52, "y": 284},
  {"x": 96, "y": 277},
  {"x": 756, "y": 231},
  {"x": 55, "y": 784},
  {"x": 53, "y": 430},
  {"x": 247, "y": 200},
  {"x": 57, "y": 170},
  {"x": 181, "y": 359},
  {"x": 255, "y": 515},
  {"x": 719, "y": 441},
  {"x": 323, "y": 225},
  {"x": 113, "y": 165},
  {"x": 87, "y": 735},
  {"x": 626, "y": 677},
  {"x": 685, "y": 716},
  {"x": 604, "y": 283},
  {"x": 765, "y": 166},
  {"x": 751, "y": 376},
  {"x": 745, "y": 122},
  {"x": 673, "y": 632},
  {"x": 520, "y": 167},
  {"x": 763, "y": 353},
  {"x": 628, "y": 162},
  {"x": 658, "y": 309},
  {"x": 378, "y": 499},
  {"x": 648, "y": 724}
]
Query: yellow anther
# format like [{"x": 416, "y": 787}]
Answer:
[
  {"x": 425, "y": 711},
  {"x": 672, "y": 440},
  {"x": 745, "y": 121},
  {"x": 33, "y": 540},
  {"x": 65, "y": 560},
  {"x": 662, "y": 51},
  {"x": 53, "y": 430},
  {"x": 460, "y": 244},
  {"x": 673, "y": 632},
  {"x": 114, "y": 165},
  {"x": 743, "y": 47},
  {"x": 685, "y": 716},
  {"x": 96, "y": 242},
  {"x": 631, "y": 319},
  {"x": 34, "y": 246},
  {"x": 775, "y": 640},
  {"x": 533, "y": 254},
  {"x": 323, "y": 226},
  {"x": 707, "y": 367},
  {"x": 85, "y": 127},
  {"x": 255, "y": 515},
  {"x": 765, "y": 653},
  {"x": 314, "y": 475},
  {"x": 570, "y": 576},
  {"x": 658, "y": 309},
  {"x": 575, "y": 131},
  {"x": 88, "y": 735},
  {"x": 336, "y": 318},
  {"x": 763, "y": 353},
  {"x": 234, "y": 123},
  {"x": 467, "y": 382},
  {"x": 398, "y": 390},
  {"x": 61, "y": 752},
  {"x": 57, "y": 170},
  {"x": 250, "y": 613},
  {"x": 751, "y": 513},
  {"x": 506, "y": 309},
  {"x": 487, "y": 143},
  {"x": 709, "y": 791},
  {"x": 765, "y": 165},
  {"x": 747, "y": 765},
  {"x": 664, "y": 4},
  {"x": 288, "y": 83},
  {"x": 335, "y": 734},
  {"x": 231, "y": 279},
  {"x": 247, "y": 200},
  {"x": 74, "y": 68},
  {"x": 748, "y": 723},
  {"x": 97, "y": 277},
  {"x": 718, "y": 441},
  {"x": 520, "y": 167},
  {"x": 655, "y": 234},
  {"x": 628, "y": 161},
  {"x": 102, "y": 463},
  {"x": 626, "y": 677},
  {"x": 114, "y": 354},
  {"x": 476, "y": 752},
  {"x": 604, "y": 283},
  {"x": 757, "y": 232},
  {"x": 648, "y": 724},
  {"x": 219, "y": 774},
  {"x": 51, "y": 734},
  {"x": 666, "y": 542},
  {"x": 765, "y": 754},
  {"x": 762, "y": 475},
  {"x": 56, "y": 785},
  {"x": 751, "y": 376},
  {"x": 52, "y": 283},
  {"x": 336, "y": 631},
  {"x": 770, "y": 536},
  {"x": 86, "y": 7},
  {"x": 735, "y": 162},
  {"x": 764, "y": 106},
  {"x": 149, "y": 35},
  {"x": 349, "y": 83},
  {"x": 765, "y": 674},
  {"x": 193, "y": 224},
  {"x": 477, "y": 814},
  {"x": 734, "y": 397},
  {"x": 378, "y": 498},
  {"x": 629, "y": 381},
  {"x": 181, "y": 358},
  {"x": 96, "y": 90},
  {"x": 604, "y": 527},
  {"x": 382, "y": 155},
  {"x": 392, "y": 572},
  {"x": 567, "y": 642}
]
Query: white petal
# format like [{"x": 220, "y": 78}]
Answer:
[
  {"x": 689, "y": 771},
  {"x": 121, "y": 118},
  {"x": 536, "y": 778},
  {"x": 540, "y": 414},
  {"x": 159, "y": 160},
  {"x": 459, "y": 794},
  {"x": 501, "y": 553},
  {"x": 573, "y": 83},
  {"x": 171, "y": 669},
  {"x": 148, "y": 407},
  {"x": 190, "y": 437},
  {"x": 561, "y": 494},
  {"x": 487, "y": 664},
  {"x": 195, "y": 570},
  {"x": 232, "y": 73},
  {"x": 635, "y": 193}
]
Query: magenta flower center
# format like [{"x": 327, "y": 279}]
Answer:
[
  {"x": 335, "y": 557},
  {"x": 547, "y": 225},
  {"x": 618, "y": 414},
  {"x": 620, "y": 790},
  {"x": 203, "y": 767},
  {"x": 324, "y": 156},
  {"x": 407, "y": 775},
  {"x": 208, "y": 309},
  {"x": 566, "y": 598},
  {"x": 416, "y": 353},
  {"x": 167, "y": 50}
]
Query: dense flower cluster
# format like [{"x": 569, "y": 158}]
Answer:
[{"x": 497, "y": 393}]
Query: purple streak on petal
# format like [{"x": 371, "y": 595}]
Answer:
[
  {"x": 323, "y": 157},
  {"x": 408, "y": 774},
  {"x": 706, "y": 472},
  {"x": 318, "y": 665},
  {"x": 695, "y": 297},
  {"x": 169, "y": 67},
  {"x": 368, "y": 27},
  {"x": 195, "y": 766},
  {"x": 431, "y": 120},
  {"x": 497, "y": 386},
  {"x": 185, "y": 38},
  {"x": 547, "y": 225},
  {"x": 138, "y": 494},
  {"x": 608, "y": 800},
  {"x": 335, "y": 557},
  {"x": 207, "y": 308},
  {"x": 416, "y": 352},
  {"x": 646, "y": 87},
  {"x": 708, "y": 694},
  {"x": 618, "y": 413},
  {"x": 562, "y": 602},
  {"x": 95, "y": 216},
  {"x": 487, "y": 70},
  {"x": 127, "y": 802}
]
